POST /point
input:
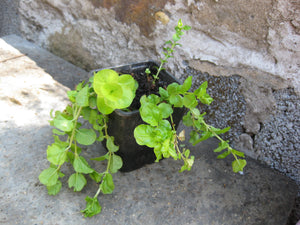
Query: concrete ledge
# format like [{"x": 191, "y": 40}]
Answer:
[{"x": 32, "y": 82}]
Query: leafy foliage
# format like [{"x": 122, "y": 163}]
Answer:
[
  {"x": 170, "y": 45},
  {"x": 161, "y": 135},
  {"x": 107, "y": 91},
  {"x": 92, "y": 101},
  {"x": 113, "y": 91}
]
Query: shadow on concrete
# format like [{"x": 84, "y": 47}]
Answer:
[{"x": 62, "y": 71}]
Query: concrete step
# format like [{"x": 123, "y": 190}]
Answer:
[{"x": 34, "y": 81}]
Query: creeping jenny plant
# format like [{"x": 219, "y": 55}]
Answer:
[{"x": 101, "y": 95}]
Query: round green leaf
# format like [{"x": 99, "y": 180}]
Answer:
[
  {"x": 103, "y": 107},
  {"x": 56, "y": 154},
  {"x": 85, "y": 136},
  {"x": 116, "y": 163},
  {"x": 54, "y": 189},
  {"x": 190, "y": 101},
  {"x": 165, "y": 110},
  {"x": 81, "y": 166},
  {"x": 150, "y": 113},
  {"x": 82, "y": 98},
  {"x": 238, "y": 165},
  {"x": 92, "y": 207},
  {"x": 144, "y": 135},
  {"x": 62, "y": 123},
  {"x": 112, "y": 91},
  {"x": 77, "y": 181},
  {"x": 107, "y": 186},
  {"x": 49, "y": 176},
  {"x": 102, "y": 77}
]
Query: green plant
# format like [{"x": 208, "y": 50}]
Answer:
[
  {"x": 161, "y": 135},
  {"x": 170, "y": 45},
  {"x": 106, "y": 91}
]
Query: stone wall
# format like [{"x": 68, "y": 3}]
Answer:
[{"x": 248, "y": 50}]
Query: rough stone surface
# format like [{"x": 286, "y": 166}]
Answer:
[
  {"x": 274, "y": 148},
  {"x": 9, "y": 20},
  {"x": 155, "y": 194},
  {"x": 269, "y": 128},
  {"x": 261, "y": 35},
  {"x": 229, "y": 104}
]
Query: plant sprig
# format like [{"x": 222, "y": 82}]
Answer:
[
  {"x": 170, "y": 45},
  {"x": 160, "y": 133},
  {"x": 105, "y": 92}
]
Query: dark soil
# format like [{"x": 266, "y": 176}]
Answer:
[{"x": 146, "y": 87}]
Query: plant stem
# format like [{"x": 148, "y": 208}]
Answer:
[
  {"x": 77, "y": 114},
  {"x": 108, "y": 163},
  {"x": 219, "y": 138},
  {"x": 168, "y": 55}
]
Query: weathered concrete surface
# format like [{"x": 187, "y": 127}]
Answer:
[
  {"x": 256, "y": 34},
  {"x": 156, "y": 194},
  {"x": 9, "y": 20}
]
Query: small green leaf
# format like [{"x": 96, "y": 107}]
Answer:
[
  {"x": 163, "y": 93},
  {"x": 92, "y": 207},
  {"x": 101, "y": 158},
  {"x": 165, "y": 110},
  {"x": 144, "y": 135},
  {"x": 176, "y": 100},
  {"x": 57, "y": 154},
  {"x": 153, "y": 99},
  {"x": 196, "y": 112},
  {"x": 238, "y": 153},
  {"x": 202, "y": 95},
  {"x": 194, "y": 137},
  {"x": 107, "y": 186},
  {"x": 187, "y": 120},
  {"x": 173, "y": 89},
  {"x": 150, "y": 113},
  {"x": 82, "y": 98},
  {"x": 77, "y": 181},
  {"x": 113, "y": 91},
  {"x": 49, "y": 176},
  {"x": 115, "y": 164},
  {"x": 222, "y": 145},
  {"x": 187, "y": 84},
  {"x": 224, "y": 155},
  {"x": 54, "y": 189},
  {"x": 187, "y": 153},
  {"x": 220, "y": 131},
  {"x": 93, "y": 101},
  {"x": 72, "y": 95},
  {"x": 187, "y": 27},
  {"x": 81, "y": 166},
  {"x": 189, "y": 101},
  {"x": 238, "y": 165},
  {"x": 62, "y": 123},
  {"x": 110, "y": 145},
  {"x": 85, "y": 136},
  {"x": 96, "y": 176},
  {"x": 93, "y": 116},
  {"x": 176, "y": 37},
  {"x": 180, "y": 24},
  {"x": 55, "y": 131},
  {"x": 205, "y": 135}
]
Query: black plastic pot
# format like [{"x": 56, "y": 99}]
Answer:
[{"x": 121, "y": 124}]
